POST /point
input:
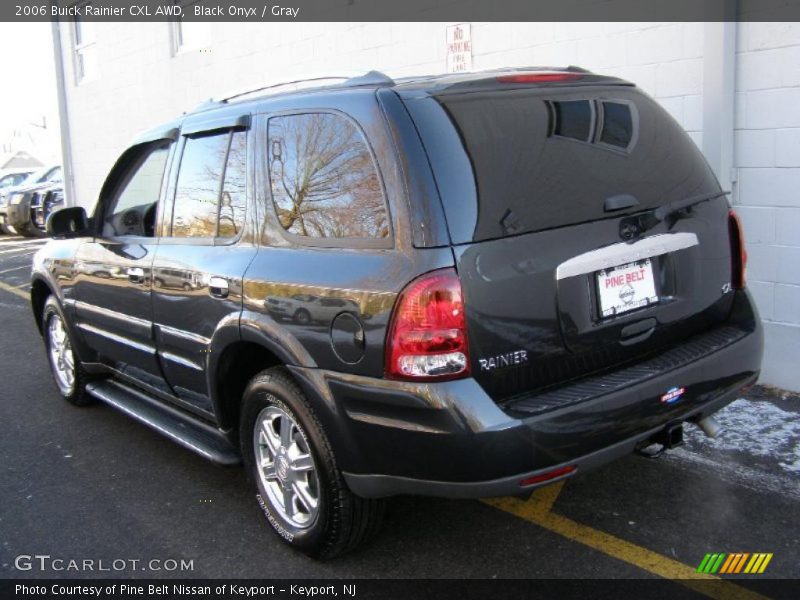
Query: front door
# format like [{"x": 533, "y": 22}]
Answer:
[
  {"x": 113, "y": 308},
  {"x": 202, "y": 256}
]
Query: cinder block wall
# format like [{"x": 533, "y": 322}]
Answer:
[
  {"x": 141, "y": 83},
  {"x": 767, "y": 160}
]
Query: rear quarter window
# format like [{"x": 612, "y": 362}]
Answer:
[{"x": 324, "y": 183}]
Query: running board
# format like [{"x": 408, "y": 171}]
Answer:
[{"x": 197, "y": 437}]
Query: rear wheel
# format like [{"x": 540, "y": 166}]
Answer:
[
  {"x": 300, "y": 488},
  {"x": 302, "y": 317},
  {"x": 69, "y": 376}
]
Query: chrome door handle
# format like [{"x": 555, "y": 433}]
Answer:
[
  {"x": 136, "y": 275},
  {"x": 218, "y": 287}
]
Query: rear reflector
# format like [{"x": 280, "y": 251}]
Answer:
[
  {"x": 427, "y": 337},
  {"x": 555, "y": 473},
  {"x": 538, "y": 77},
  {"x": 738, "y": 251}
]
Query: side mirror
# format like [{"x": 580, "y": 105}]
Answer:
[{"x": 68, "y": 222}]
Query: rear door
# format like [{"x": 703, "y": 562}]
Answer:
[
  {"x": 206, "y": 245},
  {"x": 551, "y": 196},
  {"x": 112, "y": 286}
]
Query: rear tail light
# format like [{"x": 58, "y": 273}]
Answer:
[
  {"x": 738, "y": 251},
  {"x": 538, "y": 77},
  {"x": 427, "y": 338}
]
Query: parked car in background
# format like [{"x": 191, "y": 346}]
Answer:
[
  {"x": 17, "y": 212},
  {"x": 44, "y": 202},
  {"x": 306, "y": 308},
  {"x": 10, "y": 179},
  {"x": 13, "y": 177},
  {"x": 486, "y": 282}
]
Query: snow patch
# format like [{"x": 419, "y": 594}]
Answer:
[{"x": 759, "y": 428}]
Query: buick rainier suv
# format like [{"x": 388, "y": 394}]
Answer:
[{"x": 465, "y": 285}]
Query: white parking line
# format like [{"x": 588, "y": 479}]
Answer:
[
  {"x": 19, "y": 268},
  {"x": 17, "y": 241},
  {"x": 12, "y": 250}
]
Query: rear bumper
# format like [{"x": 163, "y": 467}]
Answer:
[{"x": 450, "y": 439}]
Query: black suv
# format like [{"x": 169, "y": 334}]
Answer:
[{"x": 464, "y": 285}]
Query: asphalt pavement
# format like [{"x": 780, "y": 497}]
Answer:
[{"x": 91, "y": 484}]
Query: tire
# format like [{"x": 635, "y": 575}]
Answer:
[
  {"x": 341, "y": 521},
  {"x": 73, "y": 391},
  {"x": 302, "y": 317},
  {"x": 30, "y": 230}
]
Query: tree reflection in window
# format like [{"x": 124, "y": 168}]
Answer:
[
  {"x": 234, "y": 199},
  {"x": 323, "y": 180},
  {"x": 197, "y": 192}
]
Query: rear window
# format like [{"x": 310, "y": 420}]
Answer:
[{"x": 541, "y": 159}]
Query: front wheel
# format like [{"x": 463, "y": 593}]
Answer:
[
  {"x": 300, "y": 488},
  {"x": 68, "y": 373}
]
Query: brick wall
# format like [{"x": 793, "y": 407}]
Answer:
[{"x": 141, "y": 83}]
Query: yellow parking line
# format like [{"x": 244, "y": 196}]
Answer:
[
  {"x": 14, "y": 290},
  {"x": 537, "y": 510}
]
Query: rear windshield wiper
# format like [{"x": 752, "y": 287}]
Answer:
[{"x": 671, "y": 208}]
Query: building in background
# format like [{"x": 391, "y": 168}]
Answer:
[{"x": 734, "y": 87}]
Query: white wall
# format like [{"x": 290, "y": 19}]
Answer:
[
  {"x": 767, "y": 156},
  {"x": 141, "y": 83}
]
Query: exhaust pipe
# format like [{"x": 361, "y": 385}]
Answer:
[{"x": 710, "y": 426}]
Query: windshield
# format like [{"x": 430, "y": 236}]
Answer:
[
  {"x": 50, "y": 173},
  {"x": 12, "y": 179}
]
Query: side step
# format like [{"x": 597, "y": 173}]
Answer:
[{"x": 197, "y": 437}]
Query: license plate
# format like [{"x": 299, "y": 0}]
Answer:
[{"x": 626, "y": 287}]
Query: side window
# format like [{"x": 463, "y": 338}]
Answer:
[
  {"x": 617, "y": 124},
  {"x": 54, "y": 174},
  {"x": 195, "y": 210},
  {"x": 323, "y": 179},
  {"x": 234, "y": 197},
  {"x": 572, "y": 119},
  {"x": 132, "y": 207},
  {"x": 203, "y": 200}
]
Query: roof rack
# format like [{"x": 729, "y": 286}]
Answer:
[{"x": 351, "y": 79}]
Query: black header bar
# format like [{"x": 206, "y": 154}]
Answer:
[{"x": 285, "y": 11}]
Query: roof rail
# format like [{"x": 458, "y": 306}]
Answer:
[{"x": 351, "y": 79}]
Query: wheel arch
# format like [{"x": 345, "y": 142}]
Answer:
[
  {"x": 242, "y": 347},
  {"x": 40, "y": 291}
]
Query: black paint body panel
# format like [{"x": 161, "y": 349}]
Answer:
[{"x": 146, "y": 310}]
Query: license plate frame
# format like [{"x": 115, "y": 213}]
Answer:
[{"x": 624, "y": 288}]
